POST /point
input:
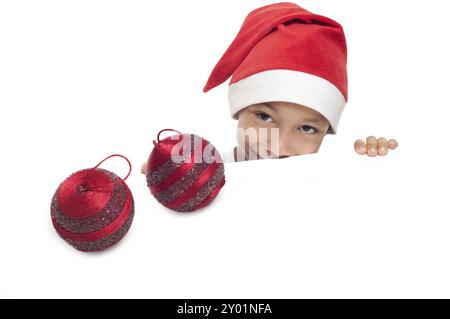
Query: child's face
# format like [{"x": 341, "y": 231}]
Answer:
[{"x": 300, "y": 130}]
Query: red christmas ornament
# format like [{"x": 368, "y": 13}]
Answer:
[
  {"x": 184, "y": 171},
  {"x": 93, "y": 208}
]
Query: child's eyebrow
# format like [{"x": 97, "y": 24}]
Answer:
[
  {"x": 313, "y": 120},
  {"x": 270, "y": 106},
  {"x": 308, "y": 119}
]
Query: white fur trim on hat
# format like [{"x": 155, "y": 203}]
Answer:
[{"x": 291, "y": 86}]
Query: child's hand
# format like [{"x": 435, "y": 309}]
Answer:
[
  {"x": 374, "y": 146},
  {"x": 144, "y": 168}
]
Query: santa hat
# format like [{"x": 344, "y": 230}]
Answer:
[{"x": 283, "y": 52}]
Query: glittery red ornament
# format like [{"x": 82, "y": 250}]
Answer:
[
  {"x": 93, "y": 208},
  {"x": 184, "y": 171}
]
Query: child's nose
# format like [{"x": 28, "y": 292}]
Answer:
[
  {"x": 284, "y": 149},
  {"x": 284, "y": 152}
]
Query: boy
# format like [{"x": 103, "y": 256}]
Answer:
[{"x": 288, "y": 71}]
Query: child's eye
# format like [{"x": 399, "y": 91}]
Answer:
[
  {"x": 307, "y": 129},
  {"x": 264, "y": 117}
]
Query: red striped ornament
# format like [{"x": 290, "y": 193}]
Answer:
[
  {"x": 93, "y": 208},
  {"x": 184, "y": 171}
]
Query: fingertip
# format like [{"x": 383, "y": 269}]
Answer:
[
  {"x": 392, "y": 144},
  {"x": 360, "y": 147},
  {"x": 382, "y": 146},
  {"x": 372, "y": 153},
  {"x": 382, "y": 151},
  {"x": 360, "y": 152}
]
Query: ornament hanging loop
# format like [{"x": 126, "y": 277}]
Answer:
[
  {"x": 165, "y": 130},
  {"x": 116, "y": 155}
]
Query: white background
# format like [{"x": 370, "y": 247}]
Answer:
[{"x": 80, "y": 80}]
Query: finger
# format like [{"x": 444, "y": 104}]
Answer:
[
  {"x": 360, "y": 147},
  {"x": 392, "y": 143},
  {"x": 382, "y": 146},
  {"x": 144, "y": 168},
  {"x": 371, "y": 146}
]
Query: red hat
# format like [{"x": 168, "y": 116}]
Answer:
[{"x": 283, "y": 52}]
